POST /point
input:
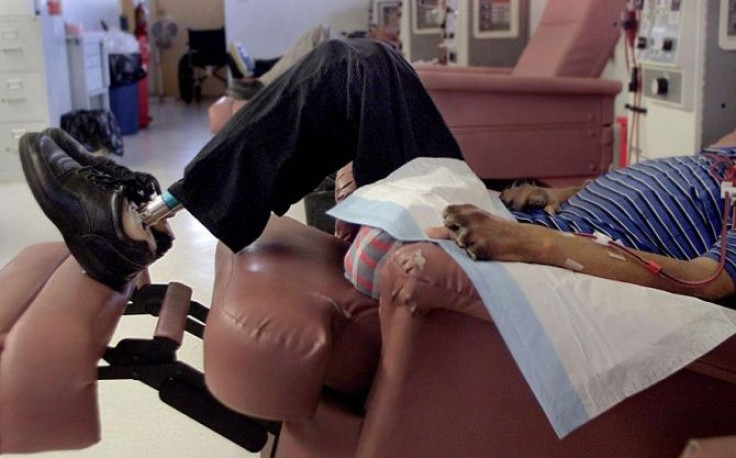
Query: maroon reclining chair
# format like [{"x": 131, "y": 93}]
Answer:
[
  {"x": 292, "y": 349},
  {"x": 551, "y": 116}
]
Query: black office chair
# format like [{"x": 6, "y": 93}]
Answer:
[{"x": 207, "y": 57}]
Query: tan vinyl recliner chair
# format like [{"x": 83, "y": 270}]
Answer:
[
  {"x": 422, "y": 373},
  {"x": 550, "y": 117}
]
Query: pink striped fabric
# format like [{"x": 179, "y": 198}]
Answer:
[{"x": 365, "y": 257}]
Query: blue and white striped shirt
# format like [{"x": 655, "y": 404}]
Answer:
[{"x": 669, "y": 206}]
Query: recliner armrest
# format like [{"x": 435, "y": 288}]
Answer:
[
  {"x": 285, "y": 322},
  {"x": 462, "y": 69},
  {"x": 422, "y": 277},
  {"x": 510, "y": 84},
  {"x": 462, "y": 365}
]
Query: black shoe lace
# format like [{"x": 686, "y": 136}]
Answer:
[{"x": 138, "y": 187}]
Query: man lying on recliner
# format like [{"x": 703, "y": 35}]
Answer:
[{"x": 358, "y": 100}]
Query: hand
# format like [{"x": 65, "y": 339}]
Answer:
[
  {"x": 482, "y": 235},
  {"x": 527, "y": 196}
]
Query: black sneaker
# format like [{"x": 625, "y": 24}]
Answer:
[{"x": 86, "y": 206}]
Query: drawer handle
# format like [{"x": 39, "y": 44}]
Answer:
[
  {"x": 14, "y": 84},
  {"x": 10, "y": 34},
  {"x": 9, "y": 50},
  {"x": 13, "y": 100}
]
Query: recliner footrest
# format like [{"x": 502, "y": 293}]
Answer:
[{"x": 55, "y": 323}]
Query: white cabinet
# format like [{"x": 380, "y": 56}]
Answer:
[
  {"x": 20, "y": 45},
  {"x": 22, "y": 97},
  {"x": 34, "y": 80},
  {"x": 89, "y": 71}
]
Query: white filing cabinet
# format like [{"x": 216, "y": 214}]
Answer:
[
  {"x": 34, "y": 82},
  {"x": 19, "y": 7},
  {"x": 89, "y": 71}
]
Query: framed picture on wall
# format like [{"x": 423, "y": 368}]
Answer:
[{"x": 495, "y": 18}]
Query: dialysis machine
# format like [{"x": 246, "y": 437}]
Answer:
[
  {"x": 685, "y": 51},
  {"x": 421, "y": 29},
  {"x": 486, "y": 33},
  {"x": 490, "y": 33}
]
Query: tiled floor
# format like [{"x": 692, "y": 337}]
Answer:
[{"x": 134, "y": 422}]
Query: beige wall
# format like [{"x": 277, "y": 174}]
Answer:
[
  {"x": 269, "y": 28},
  {"x": 195, "y": 14}
]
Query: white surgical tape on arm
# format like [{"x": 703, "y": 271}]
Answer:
[
  {"x": 616, "y": 256},
  {"x": 602, "y": 239},
  {"x": 573, "y": 265}
]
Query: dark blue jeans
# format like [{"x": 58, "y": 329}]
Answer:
[{"x": 354, "y": 100}]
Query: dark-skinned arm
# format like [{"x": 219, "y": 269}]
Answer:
[{"x": 485, "y": 236}]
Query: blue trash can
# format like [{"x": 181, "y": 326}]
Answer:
[{"x": 124, "y": 105}]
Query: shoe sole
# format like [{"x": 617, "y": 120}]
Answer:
[{"x": 74, "y": 243}]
